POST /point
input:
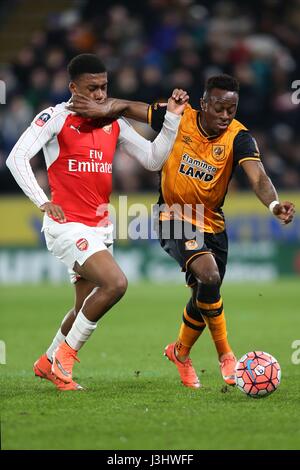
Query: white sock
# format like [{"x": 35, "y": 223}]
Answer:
[
  {"x": 58, "y": 339},
  {"x": 80, "y": 332}
]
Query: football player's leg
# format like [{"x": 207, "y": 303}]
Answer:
[
  {"x": 191, "y": 327},
  {"x": 210, "y": 304},
  {"x": 82, "y": 289},
  {"x": 101, "y": 270},
  {"x": 42, "y": 367}
]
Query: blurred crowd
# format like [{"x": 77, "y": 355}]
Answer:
[{"x": 151, "y": 47}]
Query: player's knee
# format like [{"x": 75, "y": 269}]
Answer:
[
  {"x": 211, "y": 278},
  {"x": 121, "y": 285},
  {"x": 117, "y": 287}
]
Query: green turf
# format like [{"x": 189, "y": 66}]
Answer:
[{"x": 134, "y": 398}]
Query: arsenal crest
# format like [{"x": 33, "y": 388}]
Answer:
[
  {"x": 218, "y": 152},
  {"x": 107, "y": 128},
  {"x": 82, "y": 244}
]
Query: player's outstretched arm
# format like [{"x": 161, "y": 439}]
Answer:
[
  {"x": 112, "y": 108},
  {"x": 265, "y": 191},
  {"x": 115, "y": 108},
  {"x": 152, "y": 155}
]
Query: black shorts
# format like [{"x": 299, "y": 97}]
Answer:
[{"x": 187, "y": 248}]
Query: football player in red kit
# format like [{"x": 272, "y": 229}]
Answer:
[{"x": 79, "y": 153}]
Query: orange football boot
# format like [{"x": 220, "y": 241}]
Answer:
[
  {"x": 227, "y": 365},
  {"x": 42, "y": 369},
  {"x": 63, "y": 361},
  {"x": 186, "y": 370}
]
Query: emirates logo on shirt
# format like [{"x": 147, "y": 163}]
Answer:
[
  {"x": 93, "y": 165},
  {"x": 82, "y": 244},
  {"x": 75, "y": 166}
]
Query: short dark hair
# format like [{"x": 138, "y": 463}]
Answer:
[
  {"x": 85, "y": 63},
  {"x": 224, "y": 82}
]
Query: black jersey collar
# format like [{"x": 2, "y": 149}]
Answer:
[{"x": 202, "y": 131}]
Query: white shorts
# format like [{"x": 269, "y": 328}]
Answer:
[{"x": 74, "y": 241}]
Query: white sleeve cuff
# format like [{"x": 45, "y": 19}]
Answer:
[{"x": 172, "y": 117}]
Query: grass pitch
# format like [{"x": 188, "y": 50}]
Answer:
[{"x": 134, "y": 398}]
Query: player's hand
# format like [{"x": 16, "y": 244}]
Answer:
[
  {"x": 86, "y": 107},
  {"x": 53, "y": 210},
  {"x": 285, "y": 212},
  {"x": 178, "y": 101}
]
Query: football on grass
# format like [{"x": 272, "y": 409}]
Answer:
[{"x": 258, "y": 374}]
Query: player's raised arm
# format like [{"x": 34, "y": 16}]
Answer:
[
  {"x": 29, "y": 144},
  {"x": 152, "y": 155},
  {"x": 265, "y": 191},
  {"x": 111, "y": 108},
  {"x": 115, "y": 108}
]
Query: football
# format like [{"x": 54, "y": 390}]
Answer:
[{"x": 258, "y": 374}]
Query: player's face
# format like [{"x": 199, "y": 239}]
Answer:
[
  {"x": 92, "y": 85},
  {"x": 219, "y": 109}
]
